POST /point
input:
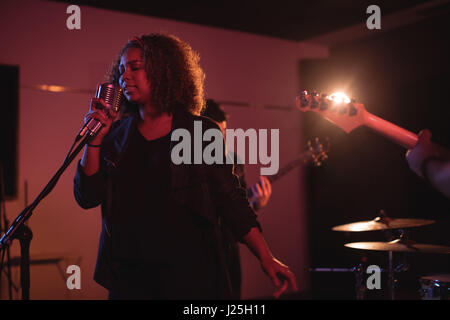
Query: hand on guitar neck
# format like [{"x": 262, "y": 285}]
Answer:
[
  {"x": 431, "y": 162},
  {"x": 260, "y": 193}
]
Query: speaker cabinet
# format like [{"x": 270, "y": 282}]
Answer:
[{"x": 9, "y": 93}]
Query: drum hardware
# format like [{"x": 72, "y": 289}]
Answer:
[
  {"x": 357, "y": 270},
  {"x": 435, "y": 287},
  {"x": 360, "y": 286},
  {"x": 400, "y": 244}
]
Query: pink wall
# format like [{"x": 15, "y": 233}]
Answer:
[{"x": 238, "y": 66}]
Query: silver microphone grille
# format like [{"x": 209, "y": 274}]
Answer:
[{"x": 111, "y": 93}]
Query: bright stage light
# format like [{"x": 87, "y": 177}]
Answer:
[{"x": 339, "y": 97}]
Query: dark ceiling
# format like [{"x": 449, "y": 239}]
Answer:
[{"x": 294, "y": 20}]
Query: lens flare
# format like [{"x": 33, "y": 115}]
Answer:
[{"x": 339, "y": 97}]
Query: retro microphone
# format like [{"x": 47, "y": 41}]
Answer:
[{"x": 112, "y": 94}]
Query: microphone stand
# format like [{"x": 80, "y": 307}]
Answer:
[
  {"x": 5, "y": 221},
  {"x": 18, "y": 229},
  {"x": 8, "y": 264}
]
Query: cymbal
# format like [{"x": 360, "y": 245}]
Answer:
[
  {"x": 382, "y": 224},
  {"x": 399, "y": 245}
]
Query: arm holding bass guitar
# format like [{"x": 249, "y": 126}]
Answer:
[
  {"x": 431, "y": 162},
  {"x": 425, "y": 158}
]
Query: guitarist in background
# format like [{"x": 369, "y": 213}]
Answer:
[
  {"x": 431, "y": 162},
  {"x": 259, "y": 193},
  {"x": 259, "y": 196}
]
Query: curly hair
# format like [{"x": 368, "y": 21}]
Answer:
[{"x": 173, "y": 70}]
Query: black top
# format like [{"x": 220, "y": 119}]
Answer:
[
  {"x": 154, "y": 238},
  {"x": 144, "y": 178}
]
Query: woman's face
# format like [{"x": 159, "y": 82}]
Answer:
[{"x": 133, "y": 77}]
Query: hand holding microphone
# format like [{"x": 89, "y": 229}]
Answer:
[
  {"x": 99, "y": 115},
  {"x": 103, "y": 112}
]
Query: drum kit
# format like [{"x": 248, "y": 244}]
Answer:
[{"x": 436, "y": 287}]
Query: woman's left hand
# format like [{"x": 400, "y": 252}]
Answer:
[{"x": 280, "y": 274}]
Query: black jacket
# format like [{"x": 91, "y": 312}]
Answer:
[{"x": 203, "y": 189}]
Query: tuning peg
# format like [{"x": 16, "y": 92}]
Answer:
[{"x": 303, "y": 99}]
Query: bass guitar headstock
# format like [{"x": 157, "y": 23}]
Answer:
[{"x": 336, "y": 108}]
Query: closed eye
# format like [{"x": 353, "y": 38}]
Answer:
[
  {"x": 133, "y": 65},
  {"x": 136, "y": 65}
]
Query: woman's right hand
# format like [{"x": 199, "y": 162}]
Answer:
[{"x": 100, "y": 112}]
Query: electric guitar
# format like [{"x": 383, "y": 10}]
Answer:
[
  {"x": 349, "y": 115},
  {"x": 316, "y": 154}
]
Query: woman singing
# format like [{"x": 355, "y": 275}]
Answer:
[{"x": 160, "y": 223}]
